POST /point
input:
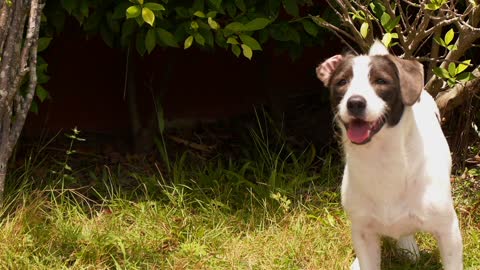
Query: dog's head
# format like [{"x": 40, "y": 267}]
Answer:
[{"x": 370, "y": 91}]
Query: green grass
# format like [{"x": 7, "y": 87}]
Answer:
[
  {"x": 272, "y": 208},
  {"x": 184, "y": 228}
]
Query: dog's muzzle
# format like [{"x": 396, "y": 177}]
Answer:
[{"x": 360, "y": 131}]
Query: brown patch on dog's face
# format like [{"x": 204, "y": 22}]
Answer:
[
  {"x": 340, "y": 81},
  {"x": 384, "y": 78}
]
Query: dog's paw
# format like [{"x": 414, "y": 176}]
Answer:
[
  {"x": 409, "y": 246},
  {"x": 355, "y": 265}
]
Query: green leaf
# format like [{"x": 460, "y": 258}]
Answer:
[
  {"x": 318, "y": 20},
  {"x": 43, "y": 43},
  {"x": 212, "y": 14},
  {"x": 364, "y": 29},
  {"x": 232, "y": 40},
  {"x": 385, "y": 19},
  {"x": 432, "y": 6},
  {"x": 34, "y": 107},
  {"x": 451, "y": 82},
  {"x": 213, "y": 24},
  {"x": 148, "y": 16},
  {"x": 263, "y": 36},
  {"x": 452, "y": 47},
  {"x": 194, "y": 25},
  {"x": 387, "y": 39},
  {"x": 216, "y": 3},
  {"x": 150, "y": 40},
  {"x": 291, "y": 7},
  {"x": 198, "y": 5},
  {"x": 120, "y": 10},
  {"x": 441, "y": 72},
  {"x": 440, "y": 41},
  {"x": 188, "y": 42},
  {"x": 154, "y": 6},
  {"x": 167, "y": 38},
  {"x": 220, "y": 39},
  {"x": 452, "y": 69},
  {"x": 449, "y": 36},
  {"x": 140, "y": 43},
  {"x": 139, "y": 20},
  {"x": 128, "y": 28},
  {"x": 199, "y": 39},
  {"x": 199, "y": 14},
  {"x": 392, "y": 24},
  {"x": 236, "y": 50},
  {"x": 241, "y": 5},
  {"x": 106, "y": 34},
  {"x": 113, "y": 25},
  {"x": 358, "y": 15},
  {"x": 465, "y": 77},
  {"x": 272, "y": 8},
  {"x": 133, "y": 12},
  {"x": 435, "y": 4},
  {"x": 247, "y": 51},
  {"x": 250, "y": 42},
  {"x": 377, "y": 8},
  {"x": 235, "y": 27},
  {"x": 208, "y": 36},
  {"x": 284, "y": 32},
  {"x": 41, "y": 93},
  {"x": 231, "y": 9},
  {"x": 84, "y": 9},
  {"x": 310, "y": 27},
  {"x": 256, "y": 24},
  {"x": 182, "y": 12},
  {"x": 462, "y": 66}
]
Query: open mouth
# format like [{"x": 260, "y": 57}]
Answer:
[{"x": 361, "y": 132}]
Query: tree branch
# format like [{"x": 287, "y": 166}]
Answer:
[
  {"x": 453, "y": 97},
  {"x": 5, "y": 12},
  {"x": 29, "y": 56}
]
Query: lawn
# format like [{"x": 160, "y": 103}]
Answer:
[{"x": 270, "y": 207}]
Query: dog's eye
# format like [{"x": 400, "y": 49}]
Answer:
[
  {"x": 380, "y": 81},
  {"x": 341, "y": 82}
]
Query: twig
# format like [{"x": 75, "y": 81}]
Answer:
[
  {"x": 451, "y": 98},
  {"x": 196, "y": 146}
]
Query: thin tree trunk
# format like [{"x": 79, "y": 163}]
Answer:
[{"x": 18, "y": 52}]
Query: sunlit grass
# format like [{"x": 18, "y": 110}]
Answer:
[
  {"x": 188, "y": 226},
  {"x": 273, "y": 208}
]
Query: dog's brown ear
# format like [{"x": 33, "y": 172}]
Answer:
[
  {"x": 326, "y": 69},
  {"x": 410, "y": 73}
]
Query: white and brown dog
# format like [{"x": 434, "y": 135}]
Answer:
[{"x": 397, "y": 174}]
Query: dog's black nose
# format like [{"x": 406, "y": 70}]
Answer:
[{"x": 356, "y": 105}]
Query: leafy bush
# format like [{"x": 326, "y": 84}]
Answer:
[{"x": 241, "y": 26}]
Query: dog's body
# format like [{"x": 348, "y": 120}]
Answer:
[{"x": 397, "y": 174}]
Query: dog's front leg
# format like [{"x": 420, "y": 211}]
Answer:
[
  {"x": 450, "y": 244},
  {"x": 367, "y": 248}
]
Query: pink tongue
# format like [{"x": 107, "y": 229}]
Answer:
[{"x": 358, "y": 131}]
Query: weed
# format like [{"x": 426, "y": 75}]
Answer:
[{"x": 272, "y": 208}]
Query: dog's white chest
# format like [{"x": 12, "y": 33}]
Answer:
[
  {"x": 383, "y": 198},
  {"x": 395, "y": 219}
]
